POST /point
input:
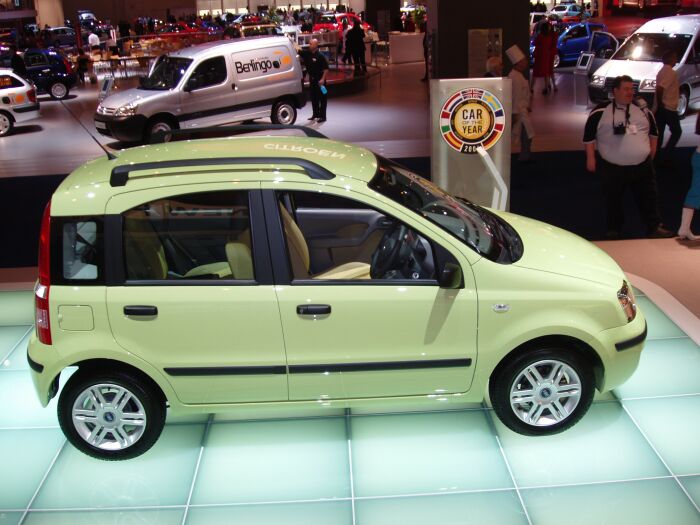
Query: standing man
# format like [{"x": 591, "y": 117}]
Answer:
[
  {"x": 317, "y": 67},
  {"x": 355, "y": 41},
  {"x": 17, "y": 62},
  {"x": 666, "y": 102},
  {"x": 626, "y": 137},
  {"x": 522, "y": 130},
  {"x": 93, "y": 41}
]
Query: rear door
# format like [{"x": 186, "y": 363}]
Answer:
[
  {"x": 38, "y": 68},
  {"x": 197, "y": 300}
]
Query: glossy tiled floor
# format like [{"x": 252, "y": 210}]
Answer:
[{"x": 634, "y": 459}]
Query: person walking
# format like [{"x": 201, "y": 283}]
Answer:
[
  {"x": 356, "y": 44},
  {"x": 545, "y": 47},
  {"x": 666, "y": 102},
  {"x": 692, "y": 198},
  {"x": 317, "y": 67},
  {"x": 625, "y": 137},
  {"x": 17, "y": 62},
  {"x": 522, "y": 130}
]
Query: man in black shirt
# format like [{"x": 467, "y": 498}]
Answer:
[
  {"x": 17, "y": 63},
  {"x": 317, "y": 67}
]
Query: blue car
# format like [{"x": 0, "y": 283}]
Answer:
[
  {"x": 50, "y": 71},
  {"x": 575, "y": 40}
]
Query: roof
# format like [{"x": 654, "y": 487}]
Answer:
[
  {"x": 237, "y": 45},
  {"x": 89, "y": 185},
  {"x": 683, "y": 24}
]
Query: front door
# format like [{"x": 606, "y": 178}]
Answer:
[
  {"x": 362, "y": 312},
  {"x": 208, "y": 96},
  {"x": 198, "y": 302}
]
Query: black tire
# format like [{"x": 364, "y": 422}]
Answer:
[
  {"x": 504, "y": 379},
  {"x": 143, "y": 393},
  {"x": 283, "y": 112},
  {"x": 159, "y": 125},
  {"x": 58, "y": 90},
  {"x": 7, "y": 124}
]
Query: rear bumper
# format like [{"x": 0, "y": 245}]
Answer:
[
  {"x": 26, "y": 112},
  {"x": 125, "y": 129}
]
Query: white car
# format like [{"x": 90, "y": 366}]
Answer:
[{"x": 18, "y": 101}]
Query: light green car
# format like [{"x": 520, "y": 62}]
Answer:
[{"x": 218, "y": 274}]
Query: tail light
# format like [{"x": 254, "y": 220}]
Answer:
[
  {"x": 31, "y": 95},
  {"x": 68, "y": 65},
  {"x": 41, "y": 291}
]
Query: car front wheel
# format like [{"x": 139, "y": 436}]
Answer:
[
  {"x": 157, "y": 127},
  {"x": 110, "y": 415},
  {"x": 6, "y": 124},
  {"x": 683, "y": 102},
  {"x": 542, "y": 392},
  {"x": 58, "y": 91}
]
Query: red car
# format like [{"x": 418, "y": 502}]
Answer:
[
  {"x": 179, "y": 29},
  {"x": 334, "y": 22}
]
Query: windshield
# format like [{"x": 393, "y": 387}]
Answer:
[
  {"x": 166, "y": 73},
  {"x": 327, "y": 19},
  {"x": 484, "y": 232},
  {"x": 650, "y": 47}
]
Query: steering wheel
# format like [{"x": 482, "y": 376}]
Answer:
[{"x": 387, "y": 253}]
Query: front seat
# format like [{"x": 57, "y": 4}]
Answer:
[{"x": 301, "y": 260}]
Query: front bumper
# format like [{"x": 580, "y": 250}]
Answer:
[
  {"x": 125, "y": 129},
  {"x": 598, "y": 95},
  {"x": 623, "y": 348}
]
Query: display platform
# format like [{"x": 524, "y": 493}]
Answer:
[{"x": 634, "y": 458}]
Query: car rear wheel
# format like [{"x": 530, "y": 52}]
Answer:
[
  {"x": 6, "y": 124},
  {"x": 58, "y": 91},
  {"x": 542, "y": 391},
  {"x": 110, "y": 415},
  {"x": 283, "y": 112},
  {"x": 683, "y": 102}
]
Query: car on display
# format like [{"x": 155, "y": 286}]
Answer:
[
  {"x": 575, "y": 40},
  {"x": 18, "y": 101},
  {"x": 337, "y": 21},
  {"x": 248, "y": 30},
  {"x": 281, "y": 271},
  {"x": 640, "y": 57},
  {"x": 643, "y": 4},
  {"x": 208, "y": 85},
  {"x": 60, "y": 36},
  {"x": 567, "y": 13},
  {"x": 176, "y": 30},
  {"x": 51, "y": 72}
]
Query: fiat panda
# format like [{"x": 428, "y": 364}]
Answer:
[{"x": 278, "y": 271}]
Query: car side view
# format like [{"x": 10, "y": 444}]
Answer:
[
  {"x": 268, "y": 271},
  {"x": 18, "y": 101}
]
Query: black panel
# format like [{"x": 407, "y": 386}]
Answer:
[
  {"x": 34, "y": 365},
  {"x": 114, "y": 251},
  {"x": 226, "y": 370},
  {"x": 278, "y": 251},
  {"x": 369, "y": 367},
  {"x": 624, "y": 345},
  {"x": 258, "y": 232}
]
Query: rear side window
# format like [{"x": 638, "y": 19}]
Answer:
[
  {"x": 81, "y": 250},
  {"x": 35, "y": 59},
  {"x": 7, "y": 82}
]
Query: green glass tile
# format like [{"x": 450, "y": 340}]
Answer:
[
  {"x": 10, "y": 337},
  {"x": 17, "y": 308},
  {"x": 667, "y": 367},
  {"x": 425, "y": 453},
  {"x": 638, "y": 292},
  {"x": 649, "y": 502},
  {"x": 605, "y": 445},
  {"x": 658, "y": 323},
  {"x": 10, "y": 518},
  {"x": 172, "y": 418},
  {"x": 26, "y": 456},
  {"x": 483, "y": 508},
  {"x": 692, "y": 485},
  {"x": 17, "y": 360},
  {"x": 322, "y": 513},
  {"x": 673, "y": 427},
  {"x": 274, "y": 461},
  {"x": 115, "y": 517},
  {"x": 20, "y": 404},
  {"x": 162, "y": 476}
]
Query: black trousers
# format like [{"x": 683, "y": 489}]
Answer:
[
  {"x": 358, "y": 57},
  {"x": 641, "y": 180},
  {"x": 666, "y": 117},
  {"x": 318, "y": 100}
]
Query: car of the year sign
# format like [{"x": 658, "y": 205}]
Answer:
[{"x": 264, "y": 271}]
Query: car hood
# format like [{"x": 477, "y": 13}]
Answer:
[
  {"x": 637, "y": 69},
  {"x": 550, "y": 249},
  {"x": 127, "y": 96}
]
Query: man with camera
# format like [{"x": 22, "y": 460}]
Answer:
[{"x": 625, "y": 135}]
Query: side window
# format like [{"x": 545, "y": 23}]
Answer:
[
  {"x": 81, "y": 242},
  {"x": 334, "y": 238},
  {"x": 35, "y": 59},
  {"x": 577, "y": 32},
  {"x": 209, "y": 73},
  {"x": 7, "y": 82},
  {"x": 200, "y": 236}
]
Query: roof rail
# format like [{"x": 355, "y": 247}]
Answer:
[
  {"x": 159, "y": 137},
  {"x": 120, "y": 174}
]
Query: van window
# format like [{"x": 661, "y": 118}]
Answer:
[
  {"x": 198, "y": 236},
  {"x": 211, "y": 72},
  {"x": 166, "y": 73},
  {"x": 259, "y": 63},
  {"x": 82, "y": 251}
]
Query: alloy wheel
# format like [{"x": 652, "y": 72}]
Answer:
[
  {"x": 59, "y": 90},
  {"x": 5, "y": 125}
]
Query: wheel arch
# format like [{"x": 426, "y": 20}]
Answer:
[
  {"x": 562, "y": 341},
  {"x": 163, "y": 115},
  {"x": 9, "y": 115}
]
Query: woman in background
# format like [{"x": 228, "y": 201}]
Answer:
[{"x": 545, "y": 48}]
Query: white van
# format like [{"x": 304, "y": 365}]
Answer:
[
  {"x": 640, "y": 58},
  {"x": 208, "y": 85}
]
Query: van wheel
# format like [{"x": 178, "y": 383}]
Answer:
[
  {"x": 58, "y": 91},
  {"x": 542, "y": 392},
  {"x": 110, "y": 415},
  {"x": 163, "y": 126},
  {"x": 6, "y": 124},
  {"x": 283, "y": 112},
  {"x": 683, "y": 102}
]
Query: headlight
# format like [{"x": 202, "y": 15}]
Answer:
[
  {"x": 598, "y": 80},
  {"x": 648, "y": 84},
  {"x": 625, "y": 296},
  {"x": 127, "y": 110}
]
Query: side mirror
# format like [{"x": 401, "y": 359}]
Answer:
[
  {"x": 190, "y": 85},
  {"x": 451, "y": 276}
]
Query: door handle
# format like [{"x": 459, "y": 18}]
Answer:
[
  {"x": 234, "y": 87},
  {"x": 141, "y": 310},
  {"x": 314, "y": 309}
]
